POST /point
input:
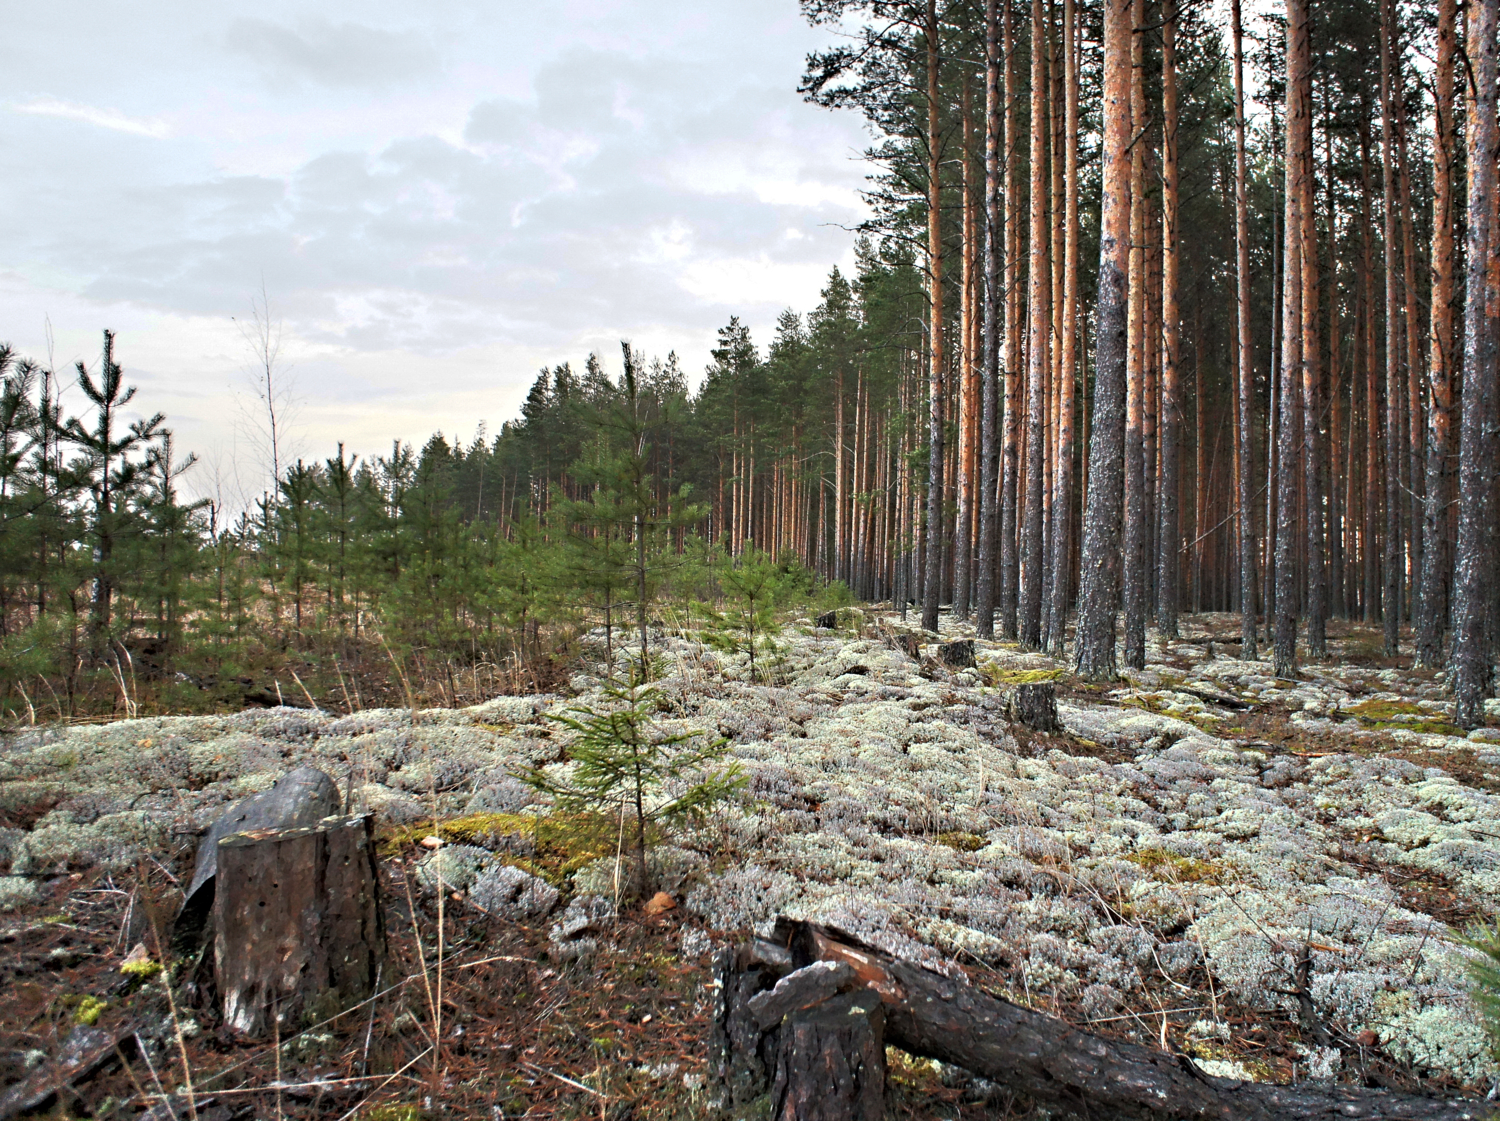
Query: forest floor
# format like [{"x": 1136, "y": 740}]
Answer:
[{"x": 1268, "y": 875}]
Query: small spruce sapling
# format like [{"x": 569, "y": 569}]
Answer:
[{"x": 624, "y": 765}]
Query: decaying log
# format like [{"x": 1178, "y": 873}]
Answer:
[
  {"x": 1062, "y": 1068},
  {"x": 300, "y": 797},
  {"x": 830, "y": 1064},
  {"x": 296, "y": 922},
  {"x": 1035, "y": 706}
]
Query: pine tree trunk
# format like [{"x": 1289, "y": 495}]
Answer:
[
  {"x": 1474, "y": 560},
  {"x": 1011, "y": 448},
  {"x": 1135, "y": 384},
  {"x": 1316, "y": 607},
  {"x": 1391, "y": 605},
  {"x": 1413, "y": 332},
  {"x": 933, "y": 584},
  {"x": 1245, "y": 360},
  {"x": 1039, "y": 292},
  {"x": 1169, "y": 549},
  {"x": 968, "y": 389},
  {"x": 1429, "y": 636},
  {"x": 990, "y": 424},
  {"x": 1094, "y": 645},
  {"x": 1062, "y": 495},
  {"x": 1372, "y": 556},
  {"x": 1298, "y": 119}
]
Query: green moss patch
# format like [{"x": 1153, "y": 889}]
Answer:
[
  {"x": 962, "y": 842},
  {"x": 1170, "y": 867}
]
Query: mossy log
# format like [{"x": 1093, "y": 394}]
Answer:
[
  {"x": 297, "y": 923},
  {"x": 1069, "y": 1072}
]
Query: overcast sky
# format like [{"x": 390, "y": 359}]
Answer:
[{"x": 439, "y": 198}]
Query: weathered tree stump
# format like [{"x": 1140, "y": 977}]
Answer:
[
  {"x": 1036, "y": 707},
  {"x": 959, "y": 654},
  {"x": 304, "y": 796},
  {"x": 743, "y": 1052},
  {"x": 297, "y": 922},
  {"x": 830, "y": 1063}
]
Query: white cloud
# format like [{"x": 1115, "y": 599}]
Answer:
[
  {"x": 104, "y": 118},
  {"x": 439, "y": 199}
]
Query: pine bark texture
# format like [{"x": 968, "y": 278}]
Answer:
[
  {"x": 1094, "y": 644},
  {"x": 1298, "y": 120},
  {"x": 1391, "y": 600},
  {"x": 1441, "y": 360},
  {"x": 1039, "y": 328},
  {"x": 1062, "y": 546},
  {"x": 1474, "y": 560},
  {"x": 990, "y": 425},
  {"x": 1245, "y": 355},
  {"x": 1169, "y": 550},
  {"x": 1134, "y": 589},
  {"x": 932, "y": 589}
]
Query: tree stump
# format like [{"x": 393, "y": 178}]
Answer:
[
  {"x": 297, "y": 923},
  {"x": 1036, "y": 707},
  {"x": 830, "y": 1062},
  {"x": 743, "y": 1052},
  {"x": 959, "y": 654},
  {"x": 304, "y": 796}
]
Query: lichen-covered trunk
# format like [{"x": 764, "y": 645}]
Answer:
[
  {"x": 1474, "y": 560},
  {"x": 990, "y": 423},
  {"x": 933, "y": 587},
  {"x": 1170, "y": 548},
  {"x": 1245, "y": 356},
  {"x": 1039, "y": 293},
  {"x": 1094, "y": 645},
  {"x": 1431, "y": 606}
]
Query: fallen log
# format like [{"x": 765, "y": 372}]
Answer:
[
  {"x": 1064, "y": 1069},
  {"x": 296, "y": 923}
]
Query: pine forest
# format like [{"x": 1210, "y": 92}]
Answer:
[{"x": 1095, "y": 594}]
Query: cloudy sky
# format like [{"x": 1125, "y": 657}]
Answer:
[{"x": 438, "y": 198}]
